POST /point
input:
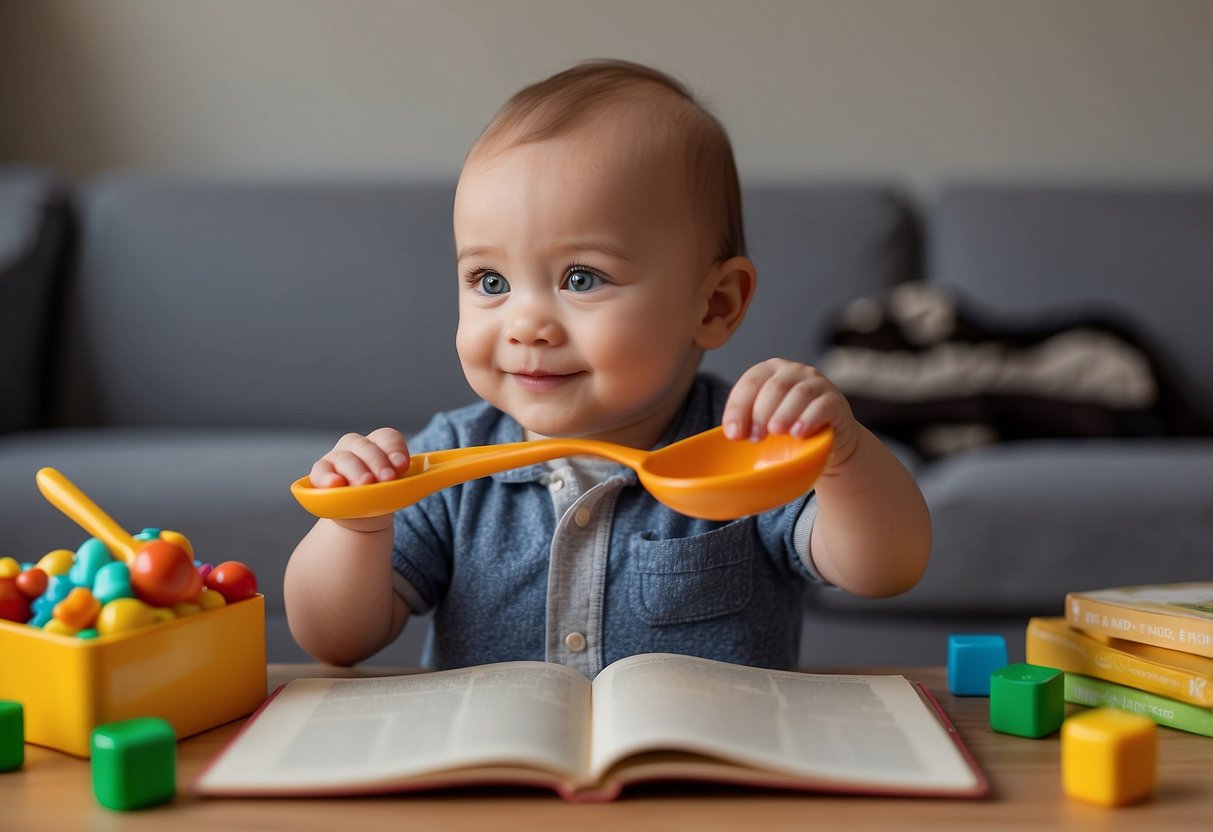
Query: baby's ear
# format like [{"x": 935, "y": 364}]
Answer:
[{"x": 726, "y": 297}]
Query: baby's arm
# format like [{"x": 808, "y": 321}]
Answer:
[
  {"x": 340, "y": 599},
  {"x": 872, "y": 533}
]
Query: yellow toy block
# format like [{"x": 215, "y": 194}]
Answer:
[{"x": 1108, "y": 756}]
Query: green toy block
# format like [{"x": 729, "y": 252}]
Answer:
[
  {"x": 12, "y": 735},
  {"x": 1027, "y": 700},
  {"x": 134, "y": 763}
]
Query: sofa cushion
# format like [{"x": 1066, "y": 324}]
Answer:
[
  {"x": 213, "y": 304},
  {"x": 32, "y": 228},
  {"x": 1142, "y": 255},
  {"x": 1018, "y": 525}
]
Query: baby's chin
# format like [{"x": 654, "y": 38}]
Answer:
[
  {"x": 558, "y": 420},
  {"x": 544, "y": 429},
  {"x": 552, "y": 426}
]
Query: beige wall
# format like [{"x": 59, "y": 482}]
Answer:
[{"x": 920, "y": 90}]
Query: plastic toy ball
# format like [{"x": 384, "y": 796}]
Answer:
[
  {"x": 14, "y": 605},
  {"x": 233, "y": 580},
  {"x": 163, "y": 574},
  {"x": 32, "y": 582}
]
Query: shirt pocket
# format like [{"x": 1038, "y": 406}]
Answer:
[{"x": 689, "y": 579}]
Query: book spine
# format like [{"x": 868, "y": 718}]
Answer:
[
  {"x": 1084, "y": 690},
  {"x": 1074, "y": 652},
  {"x": 1160, "y": 629}
]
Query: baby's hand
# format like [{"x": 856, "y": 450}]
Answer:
[
  {"x": 780, "y": 396},
  {"x": 379, "y": 456}
]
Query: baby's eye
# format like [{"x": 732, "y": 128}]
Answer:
[
  {"x": 583, "y": 280},
  {"x": 492, "y": 283}
]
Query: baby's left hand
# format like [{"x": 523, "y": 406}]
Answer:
[{"x": 781, "y": 396}]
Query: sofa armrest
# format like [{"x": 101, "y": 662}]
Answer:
[{"x": 33, "y": 223}]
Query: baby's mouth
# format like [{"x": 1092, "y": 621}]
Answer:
[{"x": 539, "y": 382}]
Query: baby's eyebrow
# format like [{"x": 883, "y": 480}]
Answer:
[
  {"x": 601, "y": 246},
  {"x": 565, "y": 249},
  {"x": 474, "y": 251}
]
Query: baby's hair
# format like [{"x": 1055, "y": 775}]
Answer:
[{"x": 560, "y": 103}]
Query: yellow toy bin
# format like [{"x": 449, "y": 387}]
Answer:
[{"x": 196, "y": 672}]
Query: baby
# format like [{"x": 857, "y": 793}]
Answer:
[{"x": 600, "y": 252}]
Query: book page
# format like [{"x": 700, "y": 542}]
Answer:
[
  {"x": 873, "y": 730},
  {"x": 330, "y": 733}
]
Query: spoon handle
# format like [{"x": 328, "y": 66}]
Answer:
[
  {"x": 435, "y": 470},
  {"x": 63, "y": 494},
  {"x": 494, "y": 458}
]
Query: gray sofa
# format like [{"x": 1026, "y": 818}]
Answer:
[{"x": 184, "y": 349}]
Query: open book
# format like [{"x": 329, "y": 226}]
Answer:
[{"x": 650, "y": 717}]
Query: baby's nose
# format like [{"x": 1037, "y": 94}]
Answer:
[{"x": 535, "y": 325}]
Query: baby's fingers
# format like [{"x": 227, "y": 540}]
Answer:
[
  {"x": 790, "y": 409},
  {"x": 324, "y": 475},
  {"x": 393, "y": 445},
  {"x": 737, "y": 418},
  {"x": 361, "y": 460}
]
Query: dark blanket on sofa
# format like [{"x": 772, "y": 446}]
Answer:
[{"x": 929, "y": 370}]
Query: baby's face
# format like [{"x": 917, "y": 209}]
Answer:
[{"x": 582, "y": 275}]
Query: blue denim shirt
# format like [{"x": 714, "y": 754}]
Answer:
[{"x": 615, "y": 574}]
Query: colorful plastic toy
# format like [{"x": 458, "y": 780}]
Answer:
[
  {"x": 58, "y": 562},
  {"x": 63, "y": 494},
  {"x": 14, "y": 604},
  {"x": 78, "y": 610},
  {"x": 164, "y": 574},
  {"x": 32, "y": 582},
  {"x": 155, "y": 566},
  {"x": 81, "y": 656},
  {"x": 1027, "y": 700},
  {"x": 197, "y": 672},
  {"x": 1109, "y": 757},
  {"x": 706, "y": 475},
  {"x": 233, "y": 580},
  {"x": 12, "y": 735},
  {"x": 134, "y": 763},
  {"x": 971, "y": 660}
]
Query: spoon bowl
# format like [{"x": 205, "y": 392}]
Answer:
[{"x": 706, "y": 475}]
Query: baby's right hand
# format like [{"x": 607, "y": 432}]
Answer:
[{"x": 379, "y": 456}]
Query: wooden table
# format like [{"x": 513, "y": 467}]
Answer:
[{"x": 53, "y": 792}]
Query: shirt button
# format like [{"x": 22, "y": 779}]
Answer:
[
  {"x": 575, "y": 642},
  {"x": 582, "y": 517},
  {"x": 557, "y": 483}
]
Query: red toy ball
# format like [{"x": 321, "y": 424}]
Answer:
[
  {"x": 163, "y": 574},
  {"x": 14, "y": 606},
  {"x": 32, "y": 582},
  {"x": 233, "y": 580}
]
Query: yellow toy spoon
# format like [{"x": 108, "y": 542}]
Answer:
[
  {"x": 63, "y": 494},
  {"x": 705, "y": 475}
]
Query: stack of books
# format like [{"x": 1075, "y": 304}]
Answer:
[{"x": 1145, "y": 649}]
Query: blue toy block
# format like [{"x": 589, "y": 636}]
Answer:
[{"x": 971, "y": 661}]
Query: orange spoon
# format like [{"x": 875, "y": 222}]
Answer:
[{"x": 705, "y": 475}]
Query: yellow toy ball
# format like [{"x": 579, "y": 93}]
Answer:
[{"x": 58, "y": 562}]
